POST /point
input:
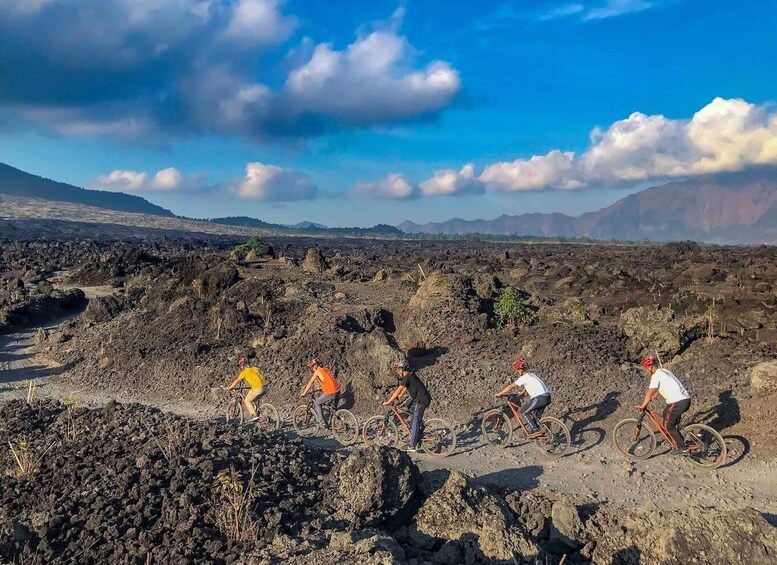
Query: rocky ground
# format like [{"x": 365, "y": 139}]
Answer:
[
  {"x": 173, "y": 315},
  {"x": 130, "y": 484}
]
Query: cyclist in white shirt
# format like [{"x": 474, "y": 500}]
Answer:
[
  {"x": 537, "y": 391},
  {"x": 678, "y": 400}
]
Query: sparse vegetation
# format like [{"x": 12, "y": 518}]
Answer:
[
  {"x": 73, "y": 404},
  {"x": 711, "y": 315},
  {"x": 255, "y": 244},
  {"x": 512, "y": 310},
  {"x": 27, "y": 462},
  {"x": 234, "y": 499}
]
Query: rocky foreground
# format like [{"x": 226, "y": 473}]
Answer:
[{"x": 130, "y": 484}]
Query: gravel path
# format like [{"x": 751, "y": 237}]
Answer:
[{"x": 593, "y": 470}]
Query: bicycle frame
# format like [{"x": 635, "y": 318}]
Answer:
[
  {"x": 516, "y": 410},
  {"x": 400, "y": 415},
  {"x": 655, "y": 419}
]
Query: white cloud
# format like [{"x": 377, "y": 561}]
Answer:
[
  {"x": 612, "y": 8},
  {"x": 725, "y": 135},
  {"x": 260, "y": 23},
  {"x": 562, "y": 11},
  {"x": 557, "y": 169},
  {"x": 149, "y": 69},
  {"x": 450, "y": 182},
  {"x": 165, "y": 180},
  {"x": 270, "y": 183},
  {"x": 367, "y": 82},
  {"x": 123, "y": 180},
  {"x": 596, "y": 10},
  {"x": 391, "y": 187}
]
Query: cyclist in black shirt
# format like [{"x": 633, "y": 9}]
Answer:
[{"x": 409, "y": 383}]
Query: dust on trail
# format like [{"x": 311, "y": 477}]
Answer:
[{"x": 593, "y": 470}]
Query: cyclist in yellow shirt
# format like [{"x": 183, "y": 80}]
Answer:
[{"x": 253, "y": 377}]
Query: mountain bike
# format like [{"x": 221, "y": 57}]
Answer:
[
  {"x": 552, "y": 438},
  {"x": 438, "y": 438},
  {"x": 634, "y": 438},
  {"x": 342, "y": 423},
  {"x": 267, "y": 415}
]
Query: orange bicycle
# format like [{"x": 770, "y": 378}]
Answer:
[
  {"x": 438, "y": 439},
  {"x": 552, "y": 438},
  {"x": 634, "y": 438}
]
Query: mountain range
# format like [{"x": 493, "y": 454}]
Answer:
[
  {"x": 14, "y": 182},
  {"x": 738, "y": 207}
]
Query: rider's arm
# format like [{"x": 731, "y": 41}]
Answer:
[
  {"x": 308, "y": 386},
  {"x": 506, "y": 389},
  {"x": 234, "y": 383},
  {"x": 649, "y": 395},
  {"x": 396, "y": 394}
]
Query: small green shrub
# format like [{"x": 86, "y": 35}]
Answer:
[
  {"x": 256, "y": 244},
  {"x": 512, "y": 310}
]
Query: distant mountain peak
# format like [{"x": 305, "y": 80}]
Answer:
[
  {"x": 15, "y": 182},
  {"x": 730, "y": 207}
]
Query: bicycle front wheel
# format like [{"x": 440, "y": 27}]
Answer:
[
  {"x": 439, "y": 438},
  {"x": 345, "y": 427},
  {"x": 555, "y": 438},
  {"x": 269, "y": 420},
  {"x": 634, "y": 439},
  {"x": 706, "y": 447},
  {"x": 497, "y": 428},
  {"x": 234, "y": 413},
  {"x": 379, "y": 430},
  {"x": 304, "y": 421}
]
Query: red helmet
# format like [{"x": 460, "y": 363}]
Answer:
[
  {"x": 520, "y": 364},
  {"x": 312, "y": 363},
  {"x": 648, "y": 362}
]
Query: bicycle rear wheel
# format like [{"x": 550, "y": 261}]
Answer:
[
  {"x": 345, "y": 427},
  {"x": 706, "y": 447},
  {"x": 555, "y": 438},
  {"x": 439, "y": 438},
  {"x": 497, "y": 428},
  {"x": 379, "y": 430},
  {"x": 234, "y": 413},
  {"x": 269, "y": 420},
  {"x": 304, "y": 421},
  {"x": 634, "y": 438}
]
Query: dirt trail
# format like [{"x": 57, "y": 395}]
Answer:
[{"x": 593, "y": 470}]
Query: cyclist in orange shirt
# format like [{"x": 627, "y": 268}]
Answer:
[{"x": 330, "y": 388}]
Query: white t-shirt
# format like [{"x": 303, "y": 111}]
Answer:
[
  {"x": 533, "y": 385},
  {"x": 669, "y": 386}
]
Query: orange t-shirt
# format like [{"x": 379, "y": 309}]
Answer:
[{"x": 328, "y": 383}]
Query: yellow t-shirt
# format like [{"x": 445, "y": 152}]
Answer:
[{"x": 253, "y": 377}]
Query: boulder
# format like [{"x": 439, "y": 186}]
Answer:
[
  {"x": 567, "y": 533},
  {"x": 460, "y": 510},
  {"x": 658, "y": 329},
  {"x": 763, "y": 377},
  {"x": 314, "y": 262},
  {"x": 103, "y": 309},
  {"x": 374, "y": 486},
  {"x": 649, "y": 535}
]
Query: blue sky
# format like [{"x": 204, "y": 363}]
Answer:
[{"x": 354, "y": 113}]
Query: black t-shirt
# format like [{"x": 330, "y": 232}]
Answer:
[{"x": 416, "y": 389}]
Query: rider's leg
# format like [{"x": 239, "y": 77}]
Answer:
[
  {"x": 323, "y": 399},
  {"x": 416, "y": 429},
  {"x": 672, "y": 414},
  {"x": 252, "y": 395},
  {"x": 526, "y": 408},
  {"x": 540, "y": 403}
]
